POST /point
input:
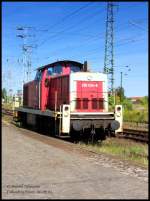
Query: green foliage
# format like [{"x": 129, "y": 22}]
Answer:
[
  {"x": 8, "y": 106},
  {"x": 132, "y": 112},
  {"x": 120, "y": 92},
  {"x": 125, "y": 149},
  {"x": 127, "y": 104},
  {"x": 117, "y": 100},
  {"x": 4, "y": 94},
  {"x": 135, "y": 116},
  {"x": 144, "y": 102},
  {"x": 111, "y": 103}
]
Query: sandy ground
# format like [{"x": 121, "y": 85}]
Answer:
[{"x": 35, "y": 167}]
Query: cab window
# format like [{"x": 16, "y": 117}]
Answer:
[
  {"x": 57, "y": 69},
  {"x": 38, "y": 76},
  {"x": 74, "y": 68},
  {"x": 50, "y": 71}
]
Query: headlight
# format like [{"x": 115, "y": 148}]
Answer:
[
  {"x": 66, "y": 114},
  {"x": 118, "y": 114}
]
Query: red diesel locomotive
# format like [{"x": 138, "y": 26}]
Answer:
[{"x": 70, "y": 101}]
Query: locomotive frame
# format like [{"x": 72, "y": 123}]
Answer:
[{"x": 64, "y": 119}]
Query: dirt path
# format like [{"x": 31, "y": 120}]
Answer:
[{"x": 37, "y": 167}]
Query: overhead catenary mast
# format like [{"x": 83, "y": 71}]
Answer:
[
  {"x": 27, "y": 50},
  {"x": 109, "y": 46}
]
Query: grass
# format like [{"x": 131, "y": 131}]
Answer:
[
  {"x": 135, "y": 116},
  {"x": 6, "y": 118},
  {"x": 7, "y": 106},
  {"x": 122, "y": 148}
]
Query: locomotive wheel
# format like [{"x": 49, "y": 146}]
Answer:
[
  {"x": 23, "y": 122},
  {"x": 75, "y": 135},
  {"x": 93, "y": 135},
  {"x": 56, "y": 128},
  {"x": 110, "y": 132},
  {"x": 102, "y": 134},
  {"x": 113, "y": 134},
  {"x": 92, "y": 138},
  {"x": 51, "y": 128},
  {"x": 85, "y": 134}
]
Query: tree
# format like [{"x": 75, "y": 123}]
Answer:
[
  {"x": 127, "y": 104},
  {"x": 111, "y": 102},
  {"x": 120, "y": 92},
  {"x": 4, "y": 94},
  {"x": 144, "y": 100}
]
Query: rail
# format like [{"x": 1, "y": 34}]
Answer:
[
  {"x": 134, "y": 134},
  {"x": 7, "y": 112},
  {"x": 135, "y": 125}
]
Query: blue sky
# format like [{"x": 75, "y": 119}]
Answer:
[{"x": 76, "y": 31}]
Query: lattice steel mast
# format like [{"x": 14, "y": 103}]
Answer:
[
  {"x": 27, "y": 50},
  {"x": 109, "y": 46}
]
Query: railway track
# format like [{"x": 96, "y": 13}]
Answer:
[
  {"x": 140, "y": 135},
  {"x": 134, "y": 134},
  {"x": 7, "y": 112}
]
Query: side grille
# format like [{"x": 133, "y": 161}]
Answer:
[
  {"x": 101, "y": 103},
  {"x": 94, "y": 104},
  {"x": 85, "y": 103},
  {"x": 97, "y": 103},
  {"x": 78, "y": 103}
]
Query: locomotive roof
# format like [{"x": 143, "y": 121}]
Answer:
[{"x": 61, "y": 62}]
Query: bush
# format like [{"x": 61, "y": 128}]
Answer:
[
  {"x": 127, "y": 104},
  {"x": 135, "y": 116}
]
